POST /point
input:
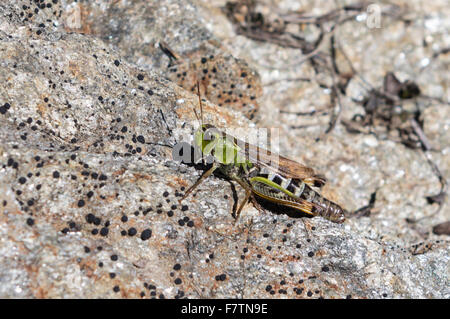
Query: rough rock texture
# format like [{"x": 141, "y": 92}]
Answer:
[{"x": 89, "y": 191}]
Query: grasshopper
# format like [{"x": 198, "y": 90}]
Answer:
[{"x": 288, "y": 184}]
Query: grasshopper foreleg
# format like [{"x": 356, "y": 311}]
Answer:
[{"x": 200, "y": 180}]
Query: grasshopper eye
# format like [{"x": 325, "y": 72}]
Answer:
[{"x": 208, "y": 136}]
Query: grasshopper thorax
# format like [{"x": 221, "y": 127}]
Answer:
[{"x": 219, "y": 145}]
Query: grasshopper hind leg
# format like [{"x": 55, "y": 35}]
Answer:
[
  {"x": 248, "y": 194},
  {"x": 247, "y": 197}
]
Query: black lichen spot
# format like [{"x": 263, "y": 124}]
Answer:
[
  {"x": 116, "y": 289},
  {"x": 325, "y": 268},
  {"x": 55, "y": 174},
  {"x": 140, "y": 77},
  {"x": 310, "y": 254},
  {"x": 3, "y": 108},
  {"x": 141, "y": 139},
  {"x": 104, "y": 231},
  {"x": 90, "y": 218},
  {"x": 30, "y": 221},
  {"x": 132, "y": 231},
  {"x": 116, "y": 62},
  {"x": 177, "y": 267},
  {"x": 146, "y": 234},
  {"x": 81, "y": 203},
  {"x": 221, "y": 277},
  {"x": 177, "y": 281},
  {"x": 298, "y": 291},
  {"x": 22, "y": 180},
  {"x": 114, "y": 257}
]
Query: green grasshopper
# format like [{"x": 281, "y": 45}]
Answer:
[{"x": 287, "y": 184}]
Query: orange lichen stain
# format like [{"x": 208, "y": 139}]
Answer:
[
  {"x": 130, "y": 292},
  {"x": 76, "y": 19},
  {"x": 307, "y": 225},
  {"x": 42, "y": 108},
  {"x": 36, "y": 287},
  {"x": 332, "y": 286},
  {"x": 224, "y": 80},
  {"x": 179, "y": 181},
  {"x": 119, "y": 172},
  {"x": 75, "y": 70},
  {"x": 88, "y": 267},
  {"x": 320, "y": 253},
  {"x": 138, "y": 176},
  {"x": 41, "y": 293},
  {"x": 198, "y": 222}
]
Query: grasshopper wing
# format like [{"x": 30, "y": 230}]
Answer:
[{"x": 279, "y": 164}]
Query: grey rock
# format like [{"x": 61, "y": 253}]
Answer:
[{"x": 84, "y": 142}]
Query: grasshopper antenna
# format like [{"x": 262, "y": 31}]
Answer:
[
  {"x": 196, "y": 116},
  {"x": 173, "y": 57}
]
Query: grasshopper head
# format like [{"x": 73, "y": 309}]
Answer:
[
  {"x": 213, "y": 142},
  {"x": 206, "y": 138}
]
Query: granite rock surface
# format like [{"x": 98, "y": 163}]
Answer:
[{"x": 89, "y": 188}]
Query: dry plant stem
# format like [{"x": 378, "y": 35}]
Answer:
[
  {"x": 419, "y": 132},
  {"x": 300, "y": 79},
  {"x": 335, "y": 95}
]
